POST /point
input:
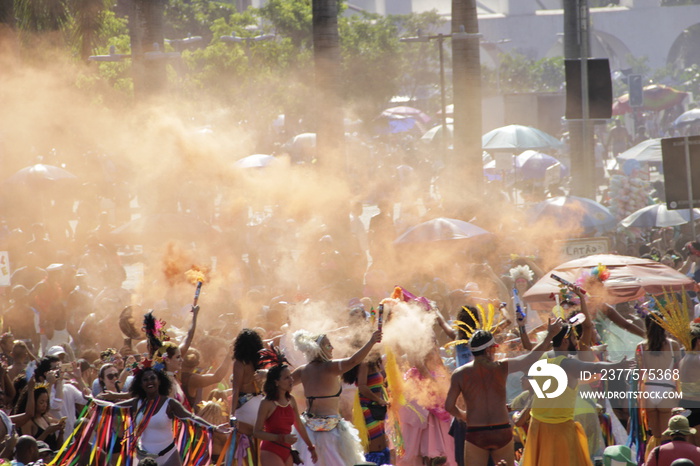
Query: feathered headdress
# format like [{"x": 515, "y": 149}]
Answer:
[
  {"x": 674, "y": 317},
  {"x": 155, "y": 331},
  {"x": 309, "y": 344},
  {"x": 521, "y": 271},
  {"x": 271, "y": 356},
  {"x": 486, "y": 321},
  {"x": 156, "y": 364}
]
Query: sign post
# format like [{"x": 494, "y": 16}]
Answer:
[{"x": 681, "y": 163}]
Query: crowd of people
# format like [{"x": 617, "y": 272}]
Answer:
[
  {"x": 277, "y": 394},
  {"x": 305, "y": 349}
]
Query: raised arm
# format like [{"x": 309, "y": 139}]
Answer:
[
  {"x": 345, "y": 365},
  {"x": 185, "y": 345},
  {"x": 449, "y": 331},
  {"x": 204, "y": 380},
  {"x": 617, "y": 319},
  {"x": 586, "y": 338},
  {"x": 20, "y": 419},
  {"x": 523, "y": 363}
]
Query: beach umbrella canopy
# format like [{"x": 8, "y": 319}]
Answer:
[
  {"x": 40, "y": 176},
  {"x": 435, "y": 133},
  {"x": 442, "y": 229},
  {"x": 406, "y": 112},
  {"x": 518, "y": 138},
  {"x": 573, "y": 212},
  {"x": 687, "y": 117},
  {"x": 657, "y": 97},
  {"x": 658, "y": 215},
  {"x": 254, "y": 161},
  {"x": 630, "y": 278},
  {"x": 646, "y": 151}
]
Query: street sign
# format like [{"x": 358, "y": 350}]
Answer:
[
  {"x": 599, "y": 89},
  {"x": 636, "y": 92},
  {"x": 680, "y": 171}
]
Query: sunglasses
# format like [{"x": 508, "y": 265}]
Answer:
[{"x": 112, "y": 376}]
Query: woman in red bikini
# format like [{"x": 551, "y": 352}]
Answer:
[{"x": 277, "y": 414}]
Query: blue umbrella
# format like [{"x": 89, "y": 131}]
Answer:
[
  {"x": 530, "y": 165},
  {"x": 533, "y": 165},
  {"x": 572, "y": 212}
]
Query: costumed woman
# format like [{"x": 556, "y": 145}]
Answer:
[
  {"x": 657, "y": 354},
  {"x": 160, "y": 347},
  {"x": 245, "y": 395},
  {"x": 277, "y": 415},
  {"x": 152, "y": 411},
  {"x": 337, "y": 442},
  {"x": 372, "y": 403}
]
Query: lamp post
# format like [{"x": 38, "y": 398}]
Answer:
[{"x": 440, "y": 38}]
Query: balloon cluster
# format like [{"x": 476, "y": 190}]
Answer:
[{"x": 628, "y": 194}]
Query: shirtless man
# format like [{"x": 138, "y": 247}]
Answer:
[
  {"x": 482, "y": 384},
  {"x": 336, "y": 440}
]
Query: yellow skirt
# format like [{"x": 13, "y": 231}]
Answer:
[{"x": 562, "y": 444}]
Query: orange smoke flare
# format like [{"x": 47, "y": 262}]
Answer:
[{"x": 195, "y": 275}]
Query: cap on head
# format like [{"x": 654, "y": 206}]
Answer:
[{"x": 55, "y": 351}]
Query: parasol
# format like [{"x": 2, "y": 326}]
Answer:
[{"x": 630, "y": 278}]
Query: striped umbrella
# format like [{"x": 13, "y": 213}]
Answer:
[{"x": 657, "y": 97}]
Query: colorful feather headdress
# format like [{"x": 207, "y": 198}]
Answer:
[
  {"x": 271, "y": 356},
  {"x": 674, "y": 317},
  {"x": 486, "y": 321}
]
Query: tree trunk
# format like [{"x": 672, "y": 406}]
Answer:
[
  {"x": 330, "y": 134},
  {"x": 464, "y": 168}
]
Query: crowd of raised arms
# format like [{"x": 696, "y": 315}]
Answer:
[{"x": 423, "y": 372}]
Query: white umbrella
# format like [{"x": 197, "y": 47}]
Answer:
[
  {"x": 645, "y": 151},
  {"x": 517, "y": 138},
  {"x": 658, "y": 215},
  {"x": 435, "y": 133},
  {"x": 687, "y": 117},
  {"x": 254, "y": 161},
  {"x": 442, "y": 229}
]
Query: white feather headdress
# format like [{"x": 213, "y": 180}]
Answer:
[{"x": 522, "y": 271}]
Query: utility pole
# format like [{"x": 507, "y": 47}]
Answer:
[
  {"x": 464, "y": 168},
  {"x": 581, "y": 143}
]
